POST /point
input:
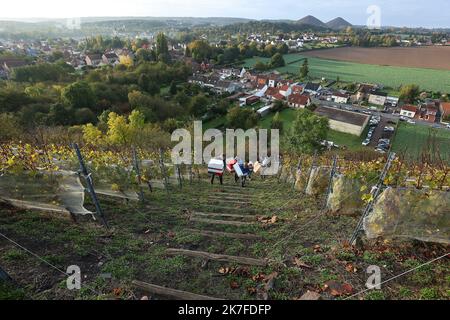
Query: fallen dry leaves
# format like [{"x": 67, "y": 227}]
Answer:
[
  {"x": 299, "y": 263},
  {"x": 351, "y": 268},
  {"x": 337, "y": 289},
  {"x": 268, "y": 220}
]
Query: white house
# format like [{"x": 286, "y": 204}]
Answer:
[
  {"x": 408, "y": 111},
  {"x": 378, "y": 98},
  {"x": 339, "y": 97}
]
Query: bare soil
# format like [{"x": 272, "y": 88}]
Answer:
[{"x": 432, "y": 57}]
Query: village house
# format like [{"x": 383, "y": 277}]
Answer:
[
  {"x": 408, "y": 111},
  {"x": 344, "y": 121},
  {"x": 378, "y": 98},
  {"x": 339, "y": 97},
  {"x": 428, "y": 112},
  {"x": 110, "y": 58},
  {"x": 8, "y": 65},
  {"x": 296, "y": 89},
  {"x": 444, "y": 108},
  {"x": 273, "y": 93},
  {"x": 225, "y": 86},
  {"x": 94, "y": 60},
  {"x": 392, "y": 102},
  {"x": 364, "y": 91},
  {"x": 312, "y": 88},
  {"x": 299, "y": 101}
]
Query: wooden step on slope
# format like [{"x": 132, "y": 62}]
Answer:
[
  {"x": 221, "y": 222},
  {"x": 224, "y": 215},
  {"x": 228, "y": 200},
  {"x": 218, "y": 234},
  {"x": 170, "y": 293},
  {"x": 218, "y": 257},
  {"x": 227, "y": 209}
]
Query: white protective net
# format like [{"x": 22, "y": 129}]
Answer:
[
  {"x": 410, "y": 213},
  {"x": 59, "y": 192}
]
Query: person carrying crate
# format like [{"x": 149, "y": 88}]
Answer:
[{"x": 216, "y": 167}]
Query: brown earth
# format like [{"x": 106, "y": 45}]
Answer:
[{"x": 432, "y": 57}]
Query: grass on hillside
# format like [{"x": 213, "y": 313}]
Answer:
[
  {"x": 352, "y": 142},
  {"x": 394, "y": 77},
  {"x": 305, "y": 249},
  {"x": 412, "y": 139}
]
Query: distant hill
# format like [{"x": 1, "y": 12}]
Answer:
[
  {"x": 338, "y": 23},
  {"x": 312, "y": 21}
]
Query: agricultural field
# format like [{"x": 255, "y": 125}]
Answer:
[
  {"x": 413, "y": 139},
  {"x": 435, "y": 57},
  {"x": 389, "y": 76}
]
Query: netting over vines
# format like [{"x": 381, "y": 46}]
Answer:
[
  {"x": 410, "y": 213},
  {"x": 53, "y": 191}
]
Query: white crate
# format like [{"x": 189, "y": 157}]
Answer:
[
  {"x": 238, "y": 170},
  {"x": 215, "y": 166},
  {"x": 256, "y": 167}
]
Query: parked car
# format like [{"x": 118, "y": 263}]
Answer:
[
  {"x": 411, "y": 122},
  {"x": 380, "y": 150},
  {"x": 389, "y": 129},
  {"x": 366, "y": 142},
  {"x": 385, "y": 141}
]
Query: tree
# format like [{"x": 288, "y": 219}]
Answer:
[
  {"x": 173, "y": 88},
  {"x": 144, "y": 81},
  {"x": 239, "y": 118},
  {"x": 277, "y": 123},
  {"x": 144, "y": 55},
  {"x": 304, "y": 69},
  {"x": 200, "y": 50},
  {"x": 162, "y": 48},
  {"x": 409, "y": 93},
  {"x": 198, "y": 106},
  {"x": 85, "y": 115},
  {"x": 260, "y": 66},
  {"x": 307, "y": 132},
  {"x": 279, "y": 106},
  {"x": 78, "y": 95},
  {"x": 10, "y": 128},
  {"x": 277, "y": 61},
  {"x": 126, "y": 60}
]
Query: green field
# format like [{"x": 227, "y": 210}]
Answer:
[
  {"x": 394, "y": 77},
  {"x": 413, "y": 138}
]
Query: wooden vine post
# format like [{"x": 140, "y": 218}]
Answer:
[{"x": 90, "y": 186}]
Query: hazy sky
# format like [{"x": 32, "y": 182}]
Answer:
[{"x": 430, "y": 13}]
